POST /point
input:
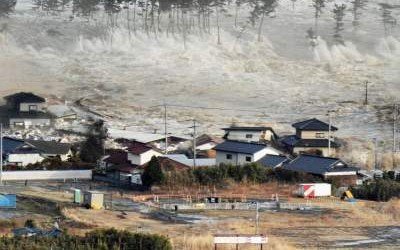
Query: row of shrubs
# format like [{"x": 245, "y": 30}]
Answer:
[
  {"x": 379, "y": 190},
  {"x": 253, "y": 173},
  {"x": 109, "y": 239}
]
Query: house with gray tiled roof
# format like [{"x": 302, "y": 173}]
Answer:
[
  {"x": 27, "y": 110},
  {"x": 312, "y": 137},
  {"x": 273, "y": 161},
  {"x": 25, "y": 152},
  {"x": 329, "y": 168}
]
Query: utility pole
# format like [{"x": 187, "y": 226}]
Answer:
[
  {"x": 366, "y": 93},
  {"x": 329, "y": 132},
  {"x": 194, "y": 143},
  {"x": 165, "y": 129},
  {"x": 395, "y": 114},
  {"x": 375, "y": 153},
  {"x": 1, "y": 156}
]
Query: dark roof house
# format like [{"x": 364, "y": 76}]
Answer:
[
  {"x": 11, "y": 144},
  {"x": 26, "y": 110},
  {"x": 117, "y": 158},
  {"x": 294, "y": 141},
  {"x": 273, "y": 161},
  {"x": 318, "y": 165},
  {"x": 312, "y": 137},
  {"x": 313, "y": 125},
  {"x": 138, "y": 148},
  {"x": 50, "y": 147},
  {"x": 24, "y": 97},
  {"x": 240, "y": 147}
]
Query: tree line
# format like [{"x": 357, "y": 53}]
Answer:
[
  {"x": 105, "y": 239},
  {"x": 381, "y": 189},
  {"x": 255, "y": 173}
]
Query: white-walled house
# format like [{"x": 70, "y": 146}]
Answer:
[
  {"x": 250, "y": 134},
  {"x": 35, "y": 151},
  {"x": 240, "y": 153},
  {"x": 140, "y": 154},
  {"x": 27, "y": 110},
  {"x": 51, "y": 149},
  {"x": 24, "y": 156}
]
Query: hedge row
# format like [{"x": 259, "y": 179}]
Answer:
[
  {"x": 109, "y": 239},
  {"x": 254, "y": 173}
]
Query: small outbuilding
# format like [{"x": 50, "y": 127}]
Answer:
[{"x": 93, "y": 199}]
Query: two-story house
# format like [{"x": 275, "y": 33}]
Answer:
[
  {"x": 240, "y": 153},
  {"x": 312, "y": 137},
  {"x": 250, "y": 134},
  {"x": 27, "y": 110}
]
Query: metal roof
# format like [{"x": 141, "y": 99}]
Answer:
[
  {"x": 313, "y": 125},
  {"x": 11, "y": 144},
  {"x": 50, "y": 147},
  {"x": 294, "y": 141},
  {"x": 272, "y": 160},
  {"x": 240, "y": 147},
  {"x": 22, "y": 97},
  {"x": 318, "y": 165},
  {"x": 200, "y": 162}
]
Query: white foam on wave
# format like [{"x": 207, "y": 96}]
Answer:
[
  {"x": 337, "y": 53},
  {"x": 389, "y": 47}
]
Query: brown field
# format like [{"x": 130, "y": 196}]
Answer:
[{"x": 339, "y": 221}]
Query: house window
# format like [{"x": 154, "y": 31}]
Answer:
[
  {"x": 249, "y": 136},
  {"x": 248, "y": 158},
  {"x": 320, "y": 135},
  {"x": 229, "y": 156},
  {"x": 33, "y": 107}
]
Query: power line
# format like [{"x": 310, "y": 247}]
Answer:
[{"x": 255, "y": 110}]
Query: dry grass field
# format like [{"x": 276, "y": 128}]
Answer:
[
  {"x": 286, "y": 229},
  {"x": 338, "y": 224}
]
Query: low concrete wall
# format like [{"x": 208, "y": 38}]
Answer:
[
  {"x": 46, "y": 175},
  {"x": 220, "y": 206}
]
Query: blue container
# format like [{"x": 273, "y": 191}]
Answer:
[{"x": 8, "y": 201}]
